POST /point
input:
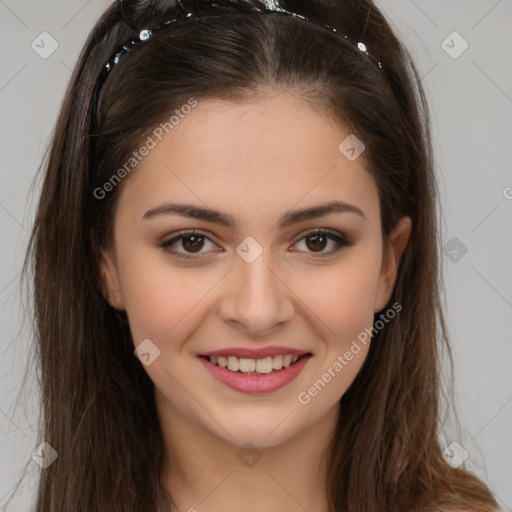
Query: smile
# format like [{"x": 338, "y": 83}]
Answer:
[
  {"x": 255, "y": 376},
  {"x": 255, "y": 366}
]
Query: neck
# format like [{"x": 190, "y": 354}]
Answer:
[{"x": 207, "y": 474}]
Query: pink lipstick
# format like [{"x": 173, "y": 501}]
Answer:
[{"x": 256, "y": 383}]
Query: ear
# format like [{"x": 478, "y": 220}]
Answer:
[
  {"x": 392, "y": 252},
  {"x": 110, "y": 281}
]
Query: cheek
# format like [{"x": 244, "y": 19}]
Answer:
[
  {"x": 158, "y": 297},
  {"x": 344, "y": 312},
  {"x": 342, "y": 296}
]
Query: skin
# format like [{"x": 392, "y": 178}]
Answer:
[{"x": 254, "y": 161}]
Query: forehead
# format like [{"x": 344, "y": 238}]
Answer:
[{"x": 264, "y": 155}]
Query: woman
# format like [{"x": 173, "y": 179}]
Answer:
[{"x": 235, "y": 268}]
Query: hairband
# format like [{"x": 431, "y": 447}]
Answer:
[{"x": 270, "y": 6}]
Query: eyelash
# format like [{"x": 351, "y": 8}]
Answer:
[{"x": 332, "y": 235}]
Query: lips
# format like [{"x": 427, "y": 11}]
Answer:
[
  {"x": 255, "y": 353},
  {"x": 255, "y": 383}
]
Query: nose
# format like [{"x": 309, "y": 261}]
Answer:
[{"x": 255, "y": 297}]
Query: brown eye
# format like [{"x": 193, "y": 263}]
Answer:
[
  {"x": 318, "y": 242},
  {"x": 192, "y": 243}
]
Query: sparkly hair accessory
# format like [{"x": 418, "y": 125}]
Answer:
[{"x": 270, "y": 6}]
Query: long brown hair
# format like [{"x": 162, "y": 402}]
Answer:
[{"x": 98, "y": 410}]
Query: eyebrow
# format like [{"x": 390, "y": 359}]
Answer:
[{"x": 290, "y": 218}]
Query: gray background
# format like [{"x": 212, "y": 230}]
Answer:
[{"x": 471, "y": 105}]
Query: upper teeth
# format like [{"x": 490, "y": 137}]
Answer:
[{"x": 265, "y": 365}]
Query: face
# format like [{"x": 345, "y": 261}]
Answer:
[{"x": 265, "y": 271}]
